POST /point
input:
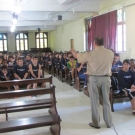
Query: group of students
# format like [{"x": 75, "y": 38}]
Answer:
[
  {"x": 126, "y": 77},
  {"x": 23, "y": 67},
  {"x": 65, "y": 61}
]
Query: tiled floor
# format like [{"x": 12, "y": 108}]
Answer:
[{"x": 74, "y": 110}]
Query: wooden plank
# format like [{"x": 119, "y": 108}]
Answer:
[
  {"x": 25, "y": 103},
  {"x": 27, "y": 123},
  {"x": 26, "y": 81},
  {"x": 28, "y": 92}
]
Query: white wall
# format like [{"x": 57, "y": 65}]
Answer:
[{"x": 60, "y": 38}]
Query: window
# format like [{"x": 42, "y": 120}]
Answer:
[
  {"x": 121, "y": 31},
  {"x": 21, "y": 41},
  {"x": 3, "y": 42},
  {"x": 41, "y": 40}
]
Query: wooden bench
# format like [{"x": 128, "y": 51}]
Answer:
[
  {"x": 52, "y": 120},
  {"x": 26, "y": 81}
]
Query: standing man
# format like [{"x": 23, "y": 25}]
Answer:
[{"x": 99, "y": 63}]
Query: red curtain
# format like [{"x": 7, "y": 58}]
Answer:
[{"x": 104, "y": 26}]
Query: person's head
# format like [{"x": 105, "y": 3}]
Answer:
[
  {"x": 56, "y": 55},
  {"x": 4, "y": 69},
  {"x": 65, "y": 56},
  {"x": 28, "y": 57},
  {"x": 98, "y": 41},
  {"x": 50, "y": 56},
  {"x": 60, "y": 56},
  {"x": 132, "y": 62},
  {"x": 10, "y": 58},
  {"x": 71, "y": 58},
  {"x": 20, "y": 61},
  {"x": 116, "y": 57},
  {"x": 69, "y": 55},
  {"x": 126, "y": 65},
  {"x": 14, "y": 56},
  {"x": 35, "y": 59},
  {"x": 4, "y": 62}
]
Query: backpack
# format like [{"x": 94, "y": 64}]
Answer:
[{"x": 114, "y": 83}]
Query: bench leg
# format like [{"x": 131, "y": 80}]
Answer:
[
  {"x": 6, "y": 115},
  {"x": 55, "y": 129}
]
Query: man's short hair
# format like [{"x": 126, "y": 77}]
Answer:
[
  {"x": 132, "y": 59},
  {"x": 3, "y": 67},
  {"x": 19, "y": 58},
  {"x": 4, "y": 60},
  {"x": 10, "y": 56},
  {"x": 35, "y": 57},
  {"x": 126, "y": 61},
  {"x": 28, "y": 55},
  {"x": 99, "y": 41},
  {"x": 116, "y": 54}
]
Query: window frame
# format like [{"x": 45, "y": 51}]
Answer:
[
  {"x": 42, "y": 38},
  {"x": 3, "y": 41},
  {"x": 21, "y": 39},
  {"x": 122, "y": 23}
]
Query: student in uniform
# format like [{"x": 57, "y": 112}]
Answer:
[
  {"x": 35, "y": 71},
  {"x": 126, "y": 79},
  {"x": 71, "y": 65},
  {"x": 4, "y": 74},
  {"x": 27, "y": 60},
  {"x": 132, "y": 65},
  {"x": 49, "y": 61},
  {"x": 63, "y": 64},
  {"x": 20, "y": 71}
]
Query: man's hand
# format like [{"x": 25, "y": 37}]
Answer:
[{"x": 74, "y": 53}]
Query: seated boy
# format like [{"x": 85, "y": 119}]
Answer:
[
  {"x": 4, "y": 74},
  {"x": 81, "y": 68},
  {"x": 27, "y": 60},
  {"x": 71, "y": 65},
  {"x": 20, "y": 71},
  {"x": 132, "y": 65},
  {"x": 35, "y": 71},
  {"x": 10, "y": 61},
  {"x": 126, "y": 79},
  {"x": 117, "y": 63}
]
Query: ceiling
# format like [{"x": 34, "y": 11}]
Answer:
[{"x": 43, "y": 13}]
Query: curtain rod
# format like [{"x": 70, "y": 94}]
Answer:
[{"x": 111, "y": 11}]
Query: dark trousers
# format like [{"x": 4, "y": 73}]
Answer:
[{"x": 84, "y": 77}]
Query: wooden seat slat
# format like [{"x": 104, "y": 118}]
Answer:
[
  {"x": 27, "y": 123},
  {"x": 28, "y": 108},
  {"x": 26, "y": 81},
  {"x": 25, "y": 103}
]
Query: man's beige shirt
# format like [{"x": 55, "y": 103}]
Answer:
[{"x": 99, "y": 61}]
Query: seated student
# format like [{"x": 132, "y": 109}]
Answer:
[
  {"x": 10, "y": 61},
  {"x": 49, "y": 61},
  {"x": 4, "y": 63},
  {"x": 20, "y": 71},
  {"x": 81, "y": 68},
  {"x": 56, "y": 60},
  {"x": 27, "y": 60},
  {"x": 35, "y": 71},
  {"x": 4, "y": 74},
  {"x": 132, "y": 65},
  {"x": 71, "y": 65},
  {"x": 63, "y": 64},
  {"x": 117, "y": 63},
  {"x": 126, "y": 79}
]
